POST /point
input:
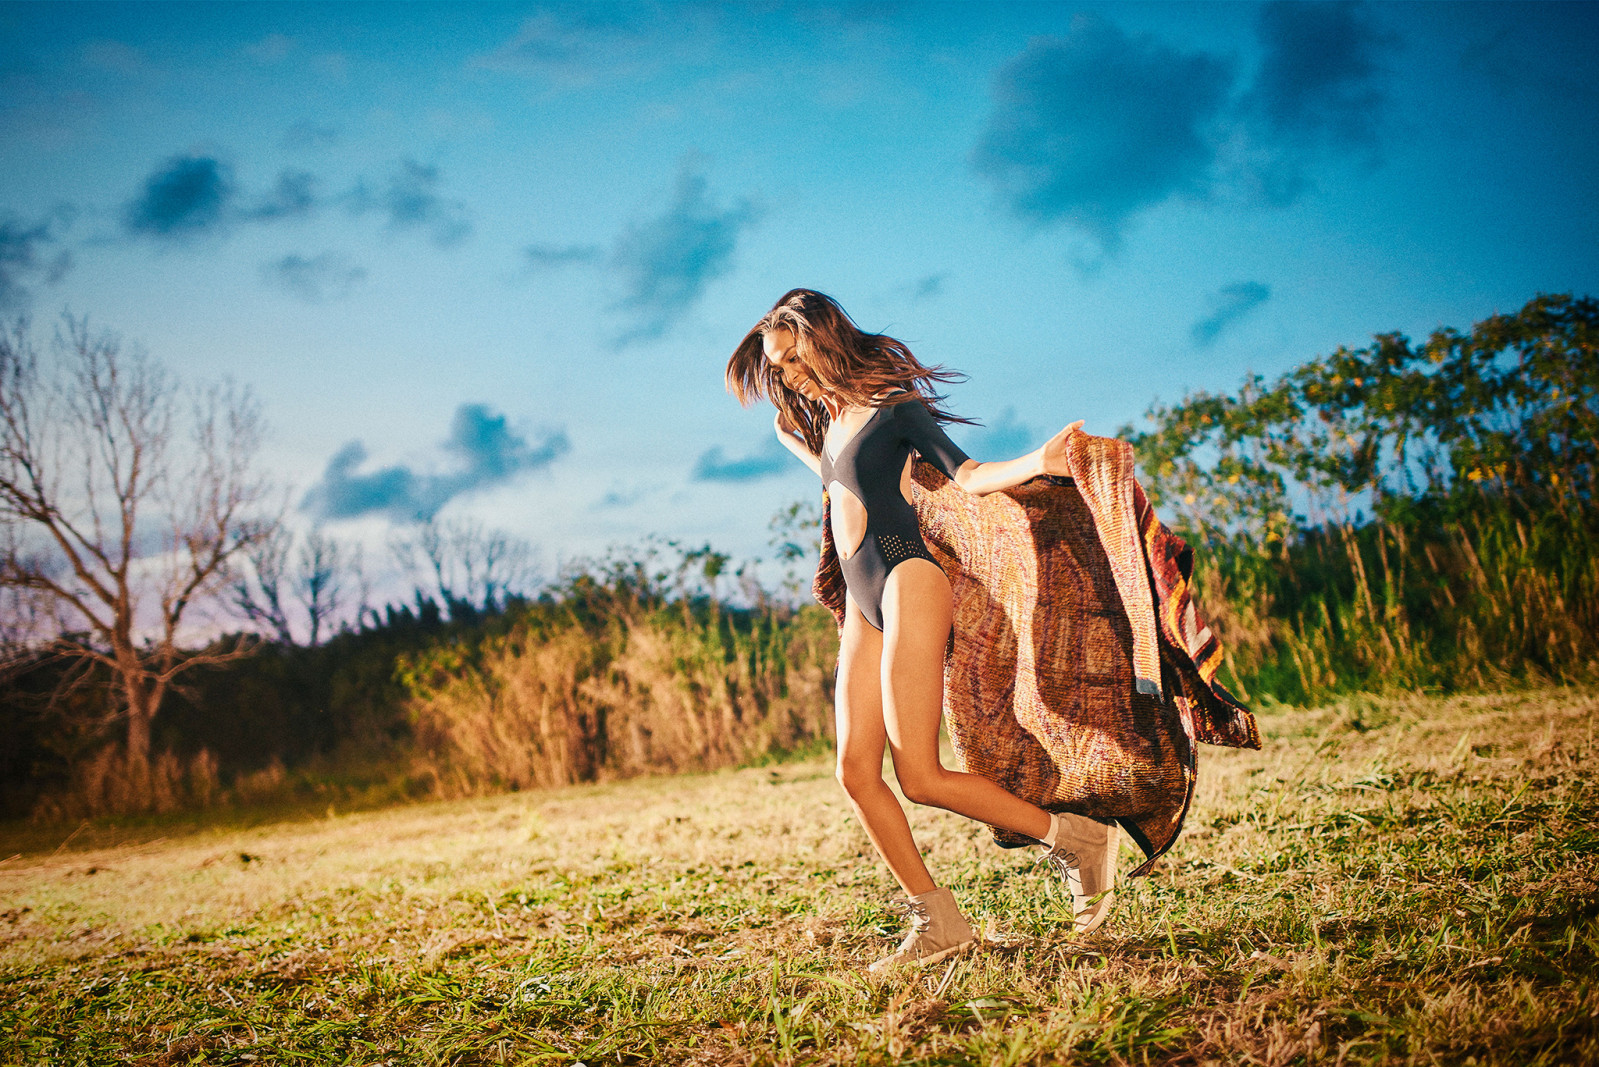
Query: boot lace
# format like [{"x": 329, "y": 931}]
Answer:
[
  {"x": 1061, "y": 861},
  {"x": 916, "y": 912}
]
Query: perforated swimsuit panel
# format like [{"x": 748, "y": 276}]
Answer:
[{"x": 869, "y": 465}]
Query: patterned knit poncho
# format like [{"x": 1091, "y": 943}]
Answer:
[{"x": 1080, "y": 675}]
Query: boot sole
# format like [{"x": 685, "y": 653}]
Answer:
[
  {"x": 884, "y": 966},
  {"x": 1103, "y": 908}
]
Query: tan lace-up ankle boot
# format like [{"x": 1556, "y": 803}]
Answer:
[
  {"x": 1084, "y": 855},
  {"x": 938, "y": 931}
]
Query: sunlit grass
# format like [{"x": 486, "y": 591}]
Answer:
[{"x": 1388, "y": 881}]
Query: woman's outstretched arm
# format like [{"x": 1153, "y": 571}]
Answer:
[
  {"x": 792, "y": 442},
  {"x": 980, "y": 479}
]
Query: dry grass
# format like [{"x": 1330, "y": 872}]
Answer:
[
  {"x": 109, "y": 783},
  {"x": 1389, "y": 881},
  {"x": 655, "y": 690}
]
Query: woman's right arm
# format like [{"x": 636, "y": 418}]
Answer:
[{"x": 792, "y": 442}]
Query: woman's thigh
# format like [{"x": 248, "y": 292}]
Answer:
[
  {"x": 917, "y": 610},
  {"x": 858, "y": 696}
]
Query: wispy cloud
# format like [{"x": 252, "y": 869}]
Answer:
[
  {"x": 572, "y": 40},
  {"x": 927, "y": 287},
  {"x": 1535, "y": 50},
  {"x": 580, "y": 43},
  {"x": 1091, "y": 128},
  {"x": 1320, "y": 70},
  {"x": 577, "y": 44},
  {"x": 196, "y": 194},
  {"x": 31, "y": 253},
  {"x": 543, "y": 257},
  {"x": 1319, "y": 85},
  {"x": 769, "y": 460},
  {"x": 410, "y": 200},
  {"x": 1228, "y": 305},
  {"x": 293, "y": 196},
  {"x": 665, "y": 263},
  {"x": 190, "y": 195},
  {"x": 185, "y": 196},
  {"x": 306, "y": 135},
  {"x": 334, "y": 66},
  {"x": 486, "y": 453},
  {"x": 314, "y": 279},
  {"x": 115, "y": 57},
  {"x": 273, "y": 48},
  {"x": 618, "y": 498}
]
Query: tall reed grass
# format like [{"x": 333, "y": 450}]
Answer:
[
  {"x": 646, "y": 686},
  {"x": 1507, "y": 600},
  {"x": 108, "y": 783}
]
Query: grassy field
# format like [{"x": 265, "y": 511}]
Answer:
[{"x": 1389, "y": 881}]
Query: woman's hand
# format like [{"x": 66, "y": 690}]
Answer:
[{"x": 1055, "y": 459}]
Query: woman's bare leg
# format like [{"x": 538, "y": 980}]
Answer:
[
  {"x": 916, "y": 620},
  {"x": 858, "y": 702}
]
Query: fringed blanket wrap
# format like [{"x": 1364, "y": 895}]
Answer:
[{"x": 1080, "y": 675}]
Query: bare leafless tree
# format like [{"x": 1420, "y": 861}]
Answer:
[
  {"x": 317, "y": 579},
  {"x": 323, "y": 569},
  {"x": 124, "y": 503},
  {"x": 260, "y": 589},
  {"x": 465, "y": 564}
]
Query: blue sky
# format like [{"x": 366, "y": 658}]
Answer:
[{"x": 488, "y": 261}]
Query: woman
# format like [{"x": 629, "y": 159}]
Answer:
[{"x": 852, "y": 407}]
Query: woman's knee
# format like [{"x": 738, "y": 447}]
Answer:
[
  {"x": 858, "y": 777},
  {"x": 928, "y": 786}
]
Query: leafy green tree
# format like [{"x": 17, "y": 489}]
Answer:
[{"x": 1468, "y": 460}]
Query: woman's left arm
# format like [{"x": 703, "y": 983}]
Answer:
[{"x": 980, "y": 479}]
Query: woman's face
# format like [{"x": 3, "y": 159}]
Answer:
[{"x": 780, "y": 351}]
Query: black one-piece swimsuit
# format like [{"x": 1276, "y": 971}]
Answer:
[{"x": 869, "y": 465}]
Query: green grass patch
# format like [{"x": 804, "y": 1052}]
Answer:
[{"x": 1405, "y": 880}]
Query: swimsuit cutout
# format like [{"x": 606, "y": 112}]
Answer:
[{"x": 869, "y": 466}]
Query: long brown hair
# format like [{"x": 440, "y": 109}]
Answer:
[{"x": 856, "y": 366}]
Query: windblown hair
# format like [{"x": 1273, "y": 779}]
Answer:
[{"x": 858, "y": 367}]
